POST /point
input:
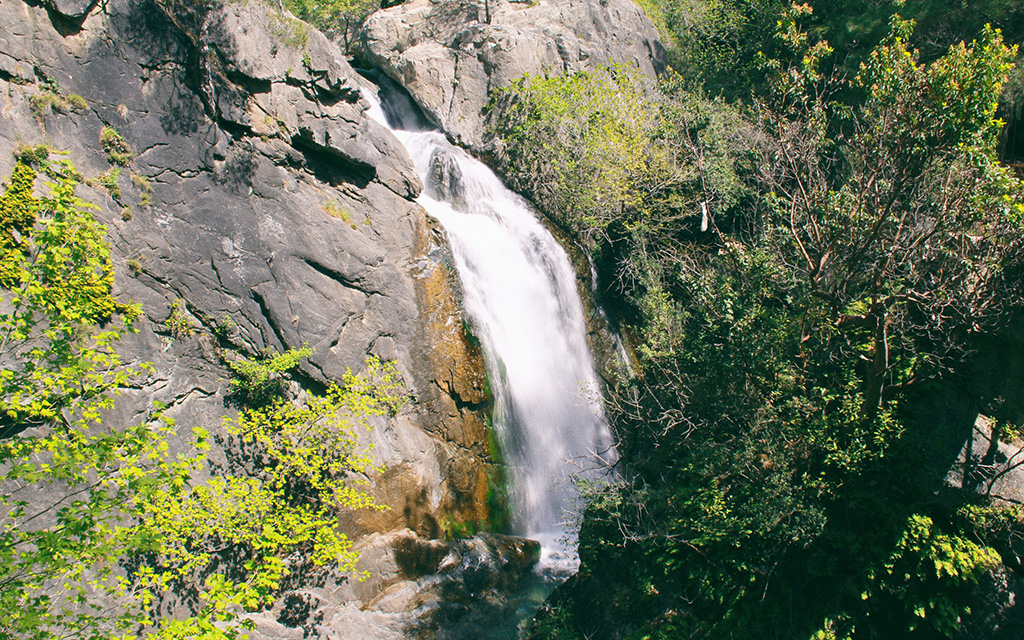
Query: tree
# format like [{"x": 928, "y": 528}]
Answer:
[
  {"x": 100, "y": 522},
  {"x": 341, "y": 18},
  {"x": 900, "y": 223},
  {"x": 770, "y": 454}
]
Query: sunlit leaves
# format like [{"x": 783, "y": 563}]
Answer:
[
  {"x": 99, "y": 522},
  {"x": 57, "y": 280}
]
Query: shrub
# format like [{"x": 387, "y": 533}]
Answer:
[
  {"x": 178, "y": 321},
  {"x": 258, "y": 380},
  {"x": 109, "y": 181},
  {"x": 48, "y": 101},
  {"x": 118, "y": 151}
]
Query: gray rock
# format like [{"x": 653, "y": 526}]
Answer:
[
  {"x": 451, "y": 55},
  {"x": 282, "y": 77},
  {"x": 423, "y": 589},
  {"x": 72, "y": 9},
  {"x": 264, "y": 198}
]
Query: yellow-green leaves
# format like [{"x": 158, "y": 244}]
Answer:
[
  {"x": 300, "y": 464},
  {"x": 258, "y": 380},
  {"x": 942, "y": 107},
  {"x": 608, "y": 154},
  {"x": 56, "y": 279},
  {"x": 928, "y": 582},
  {"x": 590, "y": 132},
  {"x": 98, "y": 522}
]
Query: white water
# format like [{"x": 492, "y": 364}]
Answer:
[{"x": 520, "y": 292}]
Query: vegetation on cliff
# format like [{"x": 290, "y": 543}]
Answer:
[
  {"x": 104, "y": 524},
  {"x": 339, "y": 19},
  {"x": 804, "y": 272}
]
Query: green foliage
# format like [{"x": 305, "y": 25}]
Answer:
[
  {"x": 258, "y": 380},
  {"x": 929, "y": 581},
  {"x": 55, "y": 267},
  {"x": 280, "y": 516},
  {"x": 60, "y": 373},
  {"x": 145, "y": 187},
  {"x": 334, "y": 17},
  {"x": 338, "y": 211},
  {"x": 51, "y": 99},
  {"x": 109, "y": 180},
  {"x": 33, "y": 156},
  {"x": 291, "y": 32},
  {"x": 592, "y": 130},
  {"x": 38, "y": 157},
  {"x": 611, "y": 156},
  {"x": 77, "y": 102},
  {"x": 117, "y": 150},
  {"x": 178, "y": 322},
  {"x": 142, "y": 183},
  {"x": 99, "y": 522},
  {"x": 858, "y": 231},
  {"x": 716, "y": 43},
  {"x": 224, "y": 328}
]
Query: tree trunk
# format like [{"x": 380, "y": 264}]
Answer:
[{"x": 878, "y": 366}]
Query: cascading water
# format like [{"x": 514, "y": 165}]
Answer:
[{"x": 520, "y": 292}]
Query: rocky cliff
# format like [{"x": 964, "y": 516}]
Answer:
[
  {"x": 262, "y": 207},
  {"x": 451, "y": 55}
]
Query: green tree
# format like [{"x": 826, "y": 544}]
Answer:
[
  {"x": 899, "y": 225},
  {"x": 100, "y": 522},
  {"x": 770, "y": 450},
  {"x": 336, "y": 18}
]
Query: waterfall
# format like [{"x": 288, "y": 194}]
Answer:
[{"x": 520, "y": 293}]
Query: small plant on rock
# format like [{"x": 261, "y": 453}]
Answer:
[
  {"x": 33, "y": 155},
  {"x": 109, "y": 181},
  {"x": 50, "y": 100},
  {"x": 257, "y": 380},
  {"x": 178, "y": 322},
  {"x": 118, "y": 151},
  {"x": 338, "y": 211}
]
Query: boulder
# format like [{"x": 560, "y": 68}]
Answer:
[
  {"x": 73, "y": 10},
  {"x": 451, "y": 55}
]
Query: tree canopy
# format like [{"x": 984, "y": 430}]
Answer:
[{"x": 802, "y": 272}]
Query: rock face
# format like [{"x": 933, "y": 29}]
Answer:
[
  {"x": 259, "y": 195},
  {"x": 449, "y": 55},
  {"x": 261, "y": 201}
]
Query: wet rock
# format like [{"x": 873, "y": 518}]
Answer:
[
  {"x": 490, "y": 560},
  {"x": 418, "y": 589},
  {"x": 451, "y": 55},
  {"x": 417, "y": 557}
]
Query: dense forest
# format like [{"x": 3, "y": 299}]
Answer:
[{"x": 808, "y": 233}]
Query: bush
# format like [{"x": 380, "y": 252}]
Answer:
[
  {"x": 340, "y": 18},
  {"x": 130, "y": 521},
  {"x": 118, "y": 151},
  {"x": 178, "y": 321},
  {"x": 258, "y": 380}
]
